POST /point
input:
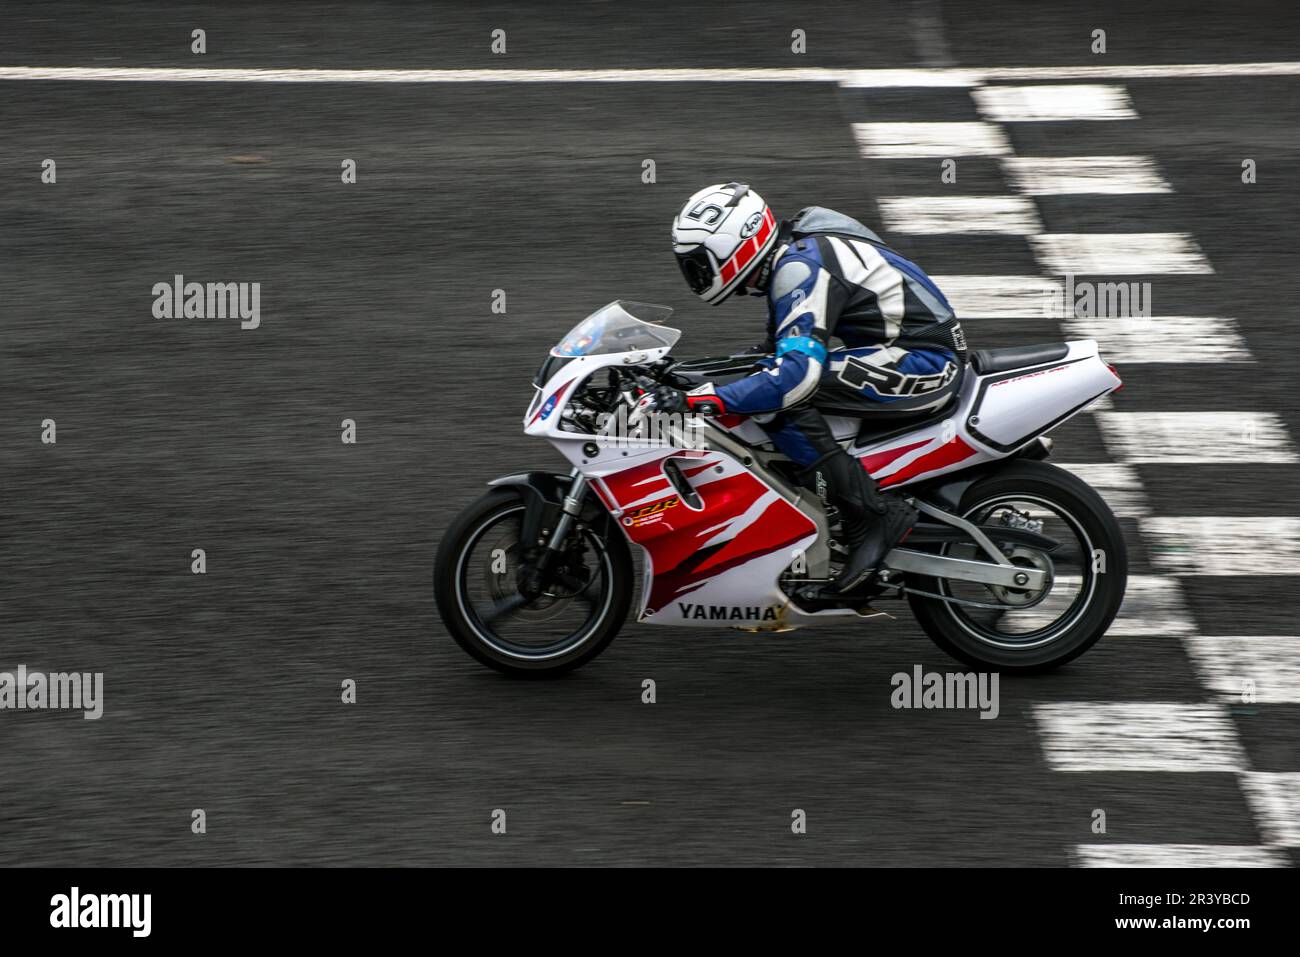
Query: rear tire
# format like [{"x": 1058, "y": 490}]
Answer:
[
  {"x": 1078, "y": 630},
  {"x": 457, "y": 564}
]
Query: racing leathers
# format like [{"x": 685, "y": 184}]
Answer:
[{"x": 903, "y": 351}]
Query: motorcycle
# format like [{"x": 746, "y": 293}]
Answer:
[{"x": 1014, "y": 565}]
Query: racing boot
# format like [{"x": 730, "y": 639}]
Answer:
[{"x": 871, "y": 521}]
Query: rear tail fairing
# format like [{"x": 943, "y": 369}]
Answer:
[{"x": 996, "y": 416}]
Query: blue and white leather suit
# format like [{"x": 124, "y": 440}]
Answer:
[{"x": 903, "y": 348}]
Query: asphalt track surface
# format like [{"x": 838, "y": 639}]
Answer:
[{"x": 222, "y": 690}]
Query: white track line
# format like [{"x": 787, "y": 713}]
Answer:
[
  {"x": 1271, "y": 665},
  {"x": 1220, "y": 546},
  {"x": 1119, "y": 484},
  {"x": 1153, "y": 608},
  {"x": 1121, "y": 254},
  {"x": 1161, "y": 338},
  {"x": 960, "y": 215},
  {"x": 1170, "y": 71},
  {"x": 1275, "y": 799},
  {"x": 1032, "y": 104},
  {"x": 1202, "y": 437},
  {"x": 998, "y": 297},
  {"x": 1129, "y": 737},
  {"x": 883, "y": 78},
  {"x": 259, "y": 75},
  {"x": 1074, "y": 175},
  {"x": 874, "y": 79},
  {"x": 909, "y": 140},
  {"x": 1177, "y": 855},
  {"x": 1138, "y": 736}
]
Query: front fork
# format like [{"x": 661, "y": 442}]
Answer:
[{"x": 534, "y": 580}]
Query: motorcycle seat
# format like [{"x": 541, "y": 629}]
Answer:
[
  {"x": 988, "y": 361},
  {"x": 873, "y": 428}
]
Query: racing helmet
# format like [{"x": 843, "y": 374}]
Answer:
[{"x": 721, "y": 235}]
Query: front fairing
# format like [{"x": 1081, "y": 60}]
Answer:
[
  {"x": 546, "y": 412},
  {"x": 622, "y": 333}
]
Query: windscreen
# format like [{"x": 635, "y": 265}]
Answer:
[{"x": 622, "y": 326}]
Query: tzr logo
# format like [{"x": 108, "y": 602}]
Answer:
[
  {"x": 705, "y": 213},
  {"x": 650, "y": 513},
  {"x": 751, "y": 225},
  {"x": 859, "y": 375}
]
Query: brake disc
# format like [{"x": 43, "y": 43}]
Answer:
[{"x": 568, "y": 581}]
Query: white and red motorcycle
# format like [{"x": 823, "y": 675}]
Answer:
[{"x": 1015, "y": 564}]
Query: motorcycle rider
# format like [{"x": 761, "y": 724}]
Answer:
[{"x": 823, "y": 274}]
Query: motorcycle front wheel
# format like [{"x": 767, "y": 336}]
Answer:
[{"x": 576, "y": 616}]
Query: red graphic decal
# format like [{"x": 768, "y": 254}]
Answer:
[
  {"x": 778, "y": 526},
  {"x": 1031, "y": 375},
  {"x": 553, "y": 401},
  {"x": 950, "y": 453},
  {"x": 876, "y": 461},
  {"x": 697, "y": 469},
  {"x": 748, "y": 249},
  {"x": 635, "y": 483},
  {"x": 688, "y": 548}
]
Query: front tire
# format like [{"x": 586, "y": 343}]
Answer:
[
  {"x": 475, "y": 582},
  {"x": 1088, "y": 573}
]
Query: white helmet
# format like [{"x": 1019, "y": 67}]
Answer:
[{"x": 721, "y": 235}]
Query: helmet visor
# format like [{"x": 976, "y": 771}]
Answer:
[{"x": 697, "y": 268}]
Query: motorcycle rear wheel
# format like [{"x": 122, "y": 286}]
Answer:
[{"x": 1088, "y": 576}]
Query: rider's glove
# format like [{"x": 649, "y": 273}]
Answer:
[{"x": 664, "y": 398}]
